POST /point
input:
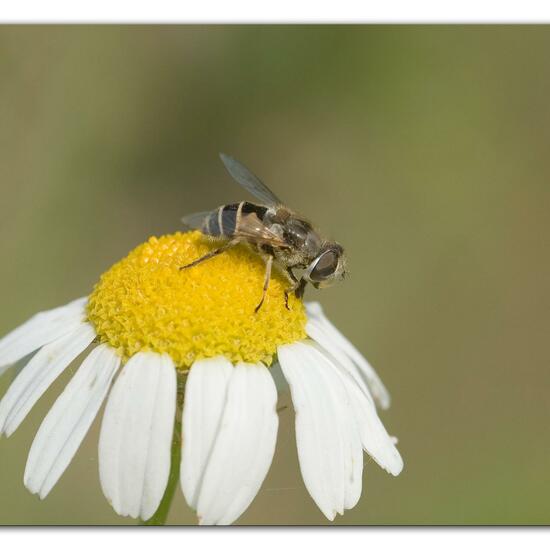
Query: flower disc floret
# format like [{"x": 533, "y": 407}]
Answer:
[{"x": 146, "y": 303}]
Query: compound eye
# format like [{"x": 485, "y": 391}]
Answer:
[{"x": 326, "y": 266}]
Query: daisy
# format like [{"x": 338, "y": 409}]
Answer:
[{"x": 148, "y": 325}]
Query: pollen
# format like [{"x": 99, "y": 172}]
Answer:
[{"x": 146, "y": 303}]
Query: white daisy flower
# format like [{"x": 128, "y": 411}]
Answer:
[{"x": 151, "y": 325}]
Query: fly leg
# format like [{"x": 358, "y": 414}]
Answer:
[
  {"x": 268, "y": 264},
  {"x": 298, "y": 287},
  {"x": 299, "y": 292},
  {"x": 294, "y": 281},
  {"x": 211, "y": 254}
]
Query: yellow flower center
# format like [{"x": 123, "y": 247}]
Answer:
[{"x": 145, "y": 303}]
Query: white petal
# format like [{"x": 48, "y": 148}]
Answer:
[
  {"x": 374, "y": 438},
  {"x": 316, "y": 332},
  {"x": 136, "y": 435},
  {"x": 327, "y": 335},
  {"x": 40, "y": 372},
  {"x": 205, "y": 394},
  {"x": 69, "y": 420},
  {"x": 244, "y": 446},
  {"x": 327, "y": 444},
  {"x": 353, "y": 467},
  {"x": 354, "y": 449},
  {"x": 39, "y": 330}
]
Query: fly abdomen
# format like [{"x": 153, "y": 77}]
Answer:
[
  {"x": 250, "y": 208},
  {"x": 224, "y": 221}
]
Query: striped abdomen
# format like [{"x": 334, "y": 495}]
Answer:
[{"x": 224, "y": 221}]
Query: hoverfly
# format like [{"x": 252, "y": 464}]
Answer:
[{"x": 275, "y": 231}]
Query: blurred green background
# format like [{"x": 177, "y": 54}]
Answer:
[{"x": 423, "y": 149}]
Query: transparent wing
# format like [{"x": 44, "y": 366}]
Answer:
[
  {"x": 195, "y": 221},
  {"x": 253, "y": 230},
  {"x": 249, "y": 181}
]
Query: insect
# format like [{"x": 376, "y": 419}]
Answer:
[{"x": 278, "y": 234}]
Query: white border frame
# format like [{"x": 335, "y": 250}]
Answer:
[{"x": 281, "y": 11}]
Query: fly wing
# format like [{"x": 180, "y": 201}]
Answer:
[
  {"x": 196, "y": 220},
  {"x": 251, "y": 229},
  {"x": 249, "y": 181}
]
